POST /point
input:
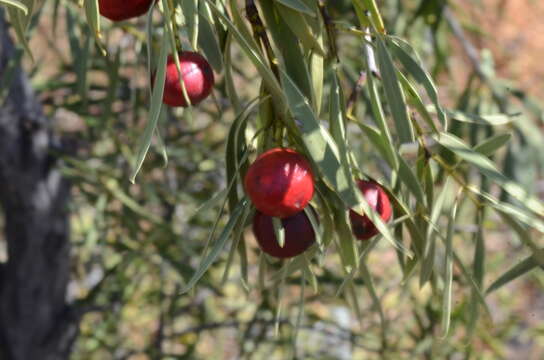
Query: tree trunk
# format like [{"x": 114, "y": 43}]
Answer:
[{"x": 35, "y": 321}]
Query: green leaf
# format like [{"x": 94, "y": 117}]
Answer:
[
  {"x": 430, "y": 242},
  {"x": 287, "y": 42},
  {"x": 492, "y": 144},
  {"x": 93, "y": 19},
  {"x": 492, "y": 120},
  {"x": 16, "y": 4},
  {"x": 518, "y": 270},
  {"x": 279, "y": 231},
  {"x": 319, "y": 143},
  {"x": 414, "y": 67},
  {"x": 298, "y": 25},
  {"x": 298, "y": 6},
  {"x": 20, "y": 20},
  {"x": 192, "y": 19},
  {"x": 238, "y": 238},
  {"x": 154, "y": 112},
  {"x": 217, "y": 247},
  {"x": 394, "y": 94},
  {"x": 250, "y": 48},
  {"x": 407, "y": 176},
  {"x": 346, "y": 241},
  {"x": 486, "y": 167},
  {"x": 207, "y": 41},
  {"x": 448, "y": 274}
]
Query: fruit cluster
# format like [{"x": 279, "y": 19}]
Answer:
[{"x": 280, "y": 183}]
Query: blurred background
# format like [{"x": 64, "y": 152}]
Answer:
[{"x": 134, "y": 246}]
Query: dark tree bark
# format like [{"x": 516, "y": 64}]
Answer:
[{"x": 35, "y": 321}]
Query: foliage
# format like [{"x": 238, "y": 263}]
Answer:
[{"x": 358, "y": 101}]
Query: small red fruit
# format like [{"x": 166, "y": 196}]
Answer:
[
  {"x": 197, "y": 77},
  {"x": 299, "y": 235},
  {"x": 280, "y": 182},
  {"x": 376, "y": 197},
  {"x": 118, "y": 10}
]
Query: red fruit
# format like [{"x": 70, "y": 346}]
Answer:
[
  {"x": 197, "y": 78},
  {"x": 118, "y": 10},
  {"x": 374, "y": 194},
  {"x": 280, "y": 182},
  {"x": 299, "y": 235}
]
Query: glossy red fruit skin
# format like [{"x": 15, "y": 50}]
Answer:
[
  {"x": 280, "y": 182},
  {"x": 119, "y": 10},
  {"x": 362, "y": 227},
  {"x": 197, "y": 76},
  {"x": 299, "y": 235}
]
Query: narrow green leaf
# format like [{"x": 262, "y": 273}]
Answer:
[
  {"x": 238, "y": 235},
  {"x": 492, "y": 120},
  {"x": 93, "y": 19},
  {"x": 298, "y": 6},
  {"x": 489, "y": 169},
  {"x": 379, "y": 117},
  {"x": 394, "y": 94},
  {"x": 430, "y": 242},
  {"x": 16, "y": 4},
  {"x": 408, "y": 178},
  {"x": 448, "y": 274},
  {"x": 279, "y": 231},
  {"x": 414, "y": 67},
  {"x": 515, "y": 272},
  {"x": 250, "y": 48},
  {"x": 192, "y": 19},
  {"x": 298, "y": 25},
  {"x": 492, "y": 144},
  {"x": 207, "y": 41},
  {"x": 217, "y": 247},
  {"x": 320, "y": 144},
  {"x": 154, "y": 112}
]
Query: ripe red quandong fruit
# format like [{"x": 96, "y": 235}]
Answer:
[
  {"x": 299, "y": 235},
  {"x": 376, "y": 197},
  {"x": 280, "y": 182},
  {"x": 197, "y": 77},
  {"x": 118, "y": 10}
]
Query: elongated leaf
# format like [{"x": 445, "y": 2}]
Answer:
[
  {"x": 430, "y": 242},
  {"x": 515, "y": 272},
  {"x": 414, "y": 67},
  {"x": 247, "y": 43},
  {"x": 493, "y": 120},
  {"x": 298, "y": 25},
  {"x": 448, "y": 274},
  {"x": 192, "y": 19},
  {"x": 294, "y": 61},
  {"x": 492, "y": 144},
  {"x": 394, "y": 94},
  {"x": 93, "y": 19},
  {"x": 487, "y": 168},
  {"x": 207, "y": 41},
  {"x": 407, "y": 176},
  {"x": 320, "y": 144},
  {"x": 16, "y": 4},
  {"x": 154, "y": 112},
  {"x": 19, "y": 20},
  {"x": 298, "y": 6},
  {"x": 217, "y": 247}
]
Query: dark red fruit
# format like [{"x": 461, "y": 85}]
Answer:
[
  {"x": 118, "y": 10},
  {"x": 376, "y": 197},
  {"x": 280, "y": 182},
  {"x": 197, "y": 77},
  {"x": 299, "y": 235}
]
